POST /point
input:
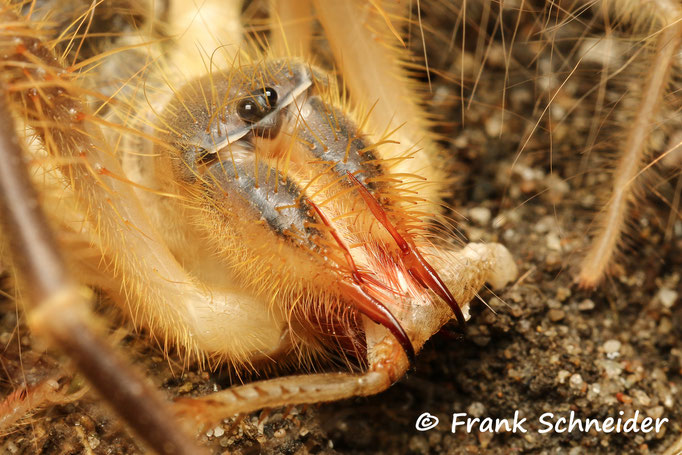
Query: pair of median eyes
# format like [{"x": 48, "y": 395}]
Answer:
[
  {"x": 250, "y": 110},
  {"x": 257, "y": 105}
]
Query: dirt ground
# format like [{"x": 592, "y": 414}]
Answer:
[{"x": 541, "y": 345}]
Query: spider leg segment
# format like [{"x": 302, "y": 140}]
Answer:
[
  {"x": 25, "y": 399},
  {"x": 666, "y": 16},
  {"x": 59, "y": 308}
]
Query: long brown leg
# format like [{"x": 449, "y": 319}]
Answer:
[
  {"x": 300, "y": 389},
  {"x": 290, "y": 390},
  {"x": 59, "y": 307}
]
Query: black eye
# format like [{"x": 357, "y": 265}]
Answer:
[
  {"x": 270, "y": 96},
  {"x": 249, "y": 110},
  {"x": 257, "y": 105}
]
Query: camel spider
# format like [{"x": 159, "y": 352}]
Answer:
[
  {"x": 239, "y": 207},
  {"x": 131, "y": 137}
]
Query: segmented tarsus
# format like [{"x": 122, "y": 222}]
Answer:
[
  {"x": 666, "y": 16},
  {"x": 27, "y": 399}
]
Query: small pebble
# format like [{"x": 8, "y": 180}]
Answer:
[
  {"x": 553, "y": 241},
  {"x": 667, "y": 297},
  {"x": 557, "y": 188},
  {"x": 435, "y": 438},
  {"x": 218, "y": 432},
  {"x": 668, "y": 401},
  {"x": 523, "y": 326},
  {"x": 516, "y": 311},
  {"x": 641, "y": 398},
  {"x": 656, "y": 412},
  {"x": 484, "y": 438},
  {"x": 418, "y": 444},
  {"x": 576, "y": 381},
  {"x": 482, "y": 341},
  {"x": 556, "y": 315},
  {"x": 542, "y": 226},
  {"x": 553, "y": 259},
  {"x": 480, "y": 215},
  {"x": 562, "y": 375},
  {"x": 554, "y": 304},
  {"x": 571, "y": 348},
  {"x": 493, "y": 126},
  {"x": 611, "y": 368},
  {"x": 623, "y": 398},
  {"x": 499, "y": 221},
  {"x": 528, "y": 186},
  {"x": 593, "y": 391},
  {"x": 280, "y": 433},
  {"x": 586, "y": 305},
  {"x": 562, "y": 294},
  {"x": 186, "y": 387},
  {"x": 93, "y": 442},
  {"x": 611, "y": 346},
  {"x": 476, "y": 409},
  {"x": 461, "y": 141},
  {"x": 605, "y": 51}
]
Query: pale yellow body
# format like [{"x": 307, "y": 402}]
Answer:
[
  {"x": 187, "y": 289},
  {"x": 259, "y": 327}
]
